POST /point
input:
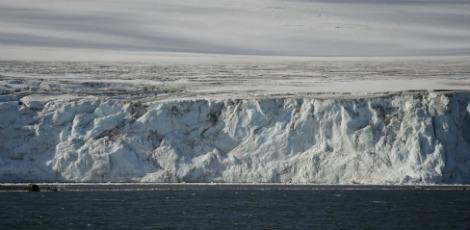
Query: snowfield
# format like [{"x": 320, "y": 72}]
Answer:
[
  {"x": 215, "y": 78},
  {"x": 330, "y": 122}
]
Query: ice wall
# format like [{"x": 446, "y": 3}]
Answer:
[{"x": 403, "y": 138}]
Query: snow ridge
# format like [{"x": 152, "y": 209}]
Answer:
[{"x": 420, "y": 138}]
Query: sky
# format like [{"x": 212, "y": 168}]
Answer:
[{"x": 142, "y": 29}]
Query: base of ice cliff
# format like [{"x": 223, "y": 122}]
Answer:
[{"x": 402, "y": 138}]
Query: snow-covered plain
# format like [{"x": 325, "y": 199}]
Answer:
[
  {"x": 216, "y": 78},
  {"x": 382, "y": 121}
]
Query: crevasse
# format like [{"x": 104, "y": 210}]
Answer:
[{"x": 403, "y": 138}]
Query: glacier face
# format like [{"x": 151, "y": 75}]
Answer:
[{"x": 394, "y": 139}]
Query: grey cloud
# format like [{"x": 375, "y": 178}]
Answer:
[{"x": 265, "y": 27}]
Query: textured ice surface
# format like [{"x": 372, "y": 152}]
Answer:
[
  {"x": 249, "y": 79},
  {"x": 402, "y": 138},
  {"x": 325, "y": 121}
]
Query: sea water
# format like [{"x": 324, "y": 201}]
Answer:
[{"x": 235, "y": 209}]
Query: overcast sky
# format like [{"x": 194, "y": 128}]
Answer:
[{"x": 49, "y": 29}]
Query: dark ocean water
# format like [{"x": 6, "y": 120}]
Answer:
[{"x": 229, "y": 209}]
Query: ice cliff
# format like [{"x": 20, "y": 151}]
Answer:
[{"x": 401, "y": 138}]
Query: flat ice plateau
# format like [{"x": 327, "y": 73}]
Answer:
[{"x": 337, "y": 122}]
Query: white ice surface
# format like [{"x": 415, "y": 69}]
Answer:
[
  {"x": 408, "y": 138},
  {"x": 324, "y": 121},
  {"x": 235, "y": 79}
]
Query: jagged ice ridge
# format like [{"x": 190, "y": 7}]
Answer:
[{"x": 402, "y": 138}]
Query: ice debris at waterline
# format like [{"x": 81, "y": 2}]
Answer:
[{"x": 403, "y": 138}]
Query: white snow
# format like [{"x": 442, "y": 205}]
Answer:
[
  {"x": 405, "y": 138},
  {"x": 379, "y": 121},
  {"x": 236, "y": 79}
]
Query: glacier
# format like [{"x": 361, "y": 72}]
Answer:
[{"x": 401, "y": 138}]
